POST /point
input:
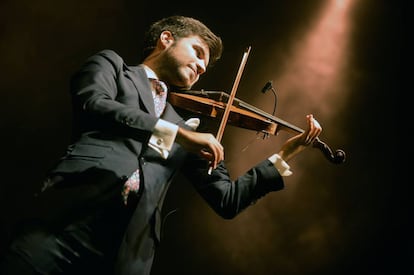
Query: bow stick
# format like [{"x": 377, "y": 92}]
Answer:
[{"x": 231, "y": 98}]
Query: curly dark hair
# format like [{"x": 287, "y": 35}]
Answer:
[{"x": 180, "y": 27}]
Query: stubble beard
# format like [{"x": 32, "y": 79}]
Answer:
[{"x": 171, "y": 70}]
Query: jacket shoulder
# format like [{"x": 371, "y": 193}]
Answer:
[
  {"x": 107, "y": 57},
  {"x": 110, "y": 54}
]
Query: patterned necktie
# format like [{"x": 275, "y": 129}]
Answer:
[
  {"x": 160, "y": 95},
  {"x": 160, "y": 98}
]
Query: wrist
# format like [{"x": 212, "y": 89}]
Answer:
[
  {"x": 182, "y": 135},
  {"x": 281, "y": 165}
]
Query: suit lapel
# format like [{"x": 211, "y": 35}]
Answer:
[
  {"x": 141, "y": 83},
  {"x": 139, "y": 78}
]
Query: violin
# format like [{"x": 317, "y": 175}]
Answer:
[
  {"x": 213, "y": 104},
  {"x": 238, "y": 113}
]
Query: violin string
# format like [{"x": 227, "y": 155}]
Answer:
[{"x": 265, "y": 135}]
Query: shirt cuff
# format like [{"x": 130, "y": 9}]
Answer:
[
  {"x": 193, "y": 123},
  {"x": 282, "y": 167},
  {"x": 163, "y": 136}
]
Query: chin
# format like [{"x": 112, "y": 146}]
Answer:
[
  {"x": 186, "y": 86},
  {"x": 179, "y": 88}
]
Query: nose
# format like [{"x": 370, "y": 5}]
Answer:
[{"x": 201, "y": 67}]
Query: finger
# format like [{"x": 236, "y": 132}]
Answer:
[
  {"x": 214, "y": 155},
  {"x": 315, "y": 129},
  {"x": 207, "y": 155},
  {"x": 309, "y": 131},
  {"x": 221, "y": 151},
  {"x": 317, "y": 125},
  {"x": 218, "y": 151}
]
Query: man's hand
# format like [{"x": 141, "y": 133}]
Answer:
[
  {"x": 204, "y": 144},
  {"x": 298, "y": 143}
]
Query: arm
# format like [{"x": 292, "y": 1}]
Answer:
[
  {"x": 100, "y": 104},
  {"x": 227, "y": 197},
  {"x": 104, "y": 99},
  {"x": 295, "y": 145}
]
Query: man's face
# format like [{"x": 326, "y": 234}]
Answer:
[{"x": 184, "y": 61}]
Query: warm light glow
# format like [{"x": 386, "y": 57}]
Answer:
[{"x": 313, "y": 79}]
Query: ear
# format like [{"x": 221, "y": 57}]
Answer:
[{"x": 166, "y": 39}]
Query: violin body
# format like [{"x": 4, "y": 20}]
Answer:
[{"x": 212, "y": 104}]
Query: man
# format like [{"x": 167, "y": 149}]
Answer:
[{"x": 99, "y": 208}]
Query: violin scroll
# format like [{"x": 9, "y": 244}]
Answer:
[{"x": 336, "y": 157}]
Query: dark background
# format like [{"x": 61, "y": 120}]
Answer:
[{"x": 351, "y": 218}]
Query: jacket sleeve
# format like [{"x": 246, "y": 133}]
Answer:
[
  {"x": 230, "y": 197},
  {"x": 106, "y": 99}
]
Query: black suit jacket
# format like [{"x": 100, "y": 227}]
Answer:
[{"x": 113, "y": 119}]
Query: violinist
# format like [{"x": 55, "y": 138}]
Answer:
[{"x": 99, "y": 206}]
